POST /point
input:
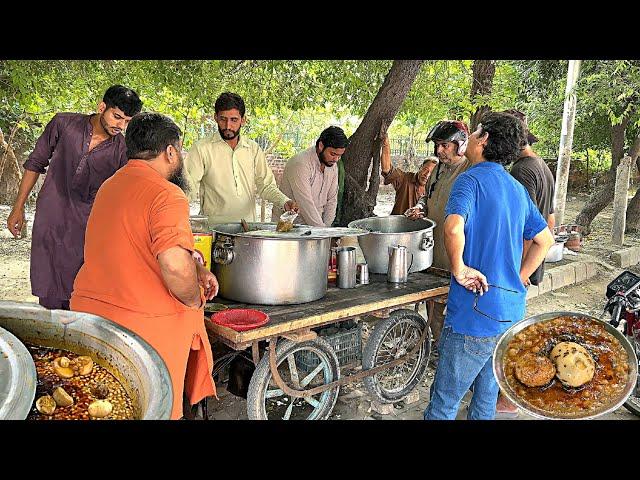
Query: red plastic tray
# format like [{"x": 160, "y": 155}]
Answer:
[{"x": 240, "y": 319}]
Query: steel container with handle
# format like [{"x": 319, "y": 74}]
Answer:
[
  {"x": 265, "y": 267},
  {"x": 394, "y": 230}
]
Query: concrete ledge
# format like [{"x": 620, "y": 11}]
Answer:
[
  {"x": 581, "y": 271},
  {"x": 545, "y": 285},
  {"x": 532, "y": 291},
  {"x": 626, "y": 257},
  {"x": 562, "y": 276}
]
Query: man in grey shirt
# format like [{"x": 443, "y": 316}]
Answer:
[{"x": 311, "y": 179}]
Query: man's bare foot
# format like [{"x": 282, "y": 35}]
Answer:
[{"x": 504, "y": 405}]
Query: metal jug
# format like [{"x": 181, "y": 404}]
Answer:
[
  {"x": 346, "y": 267},
  {"x": 398, "y": 270}
]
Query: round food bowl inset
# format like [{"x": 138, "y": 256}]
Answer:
[
  {"x": 502, "y": 347},
  {"x": 124, "y": 354}
]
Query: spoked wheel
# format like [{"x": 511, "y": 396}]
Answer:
[
  {"x": 391, "y": 339},
  {"x": 265, "y": 401}
]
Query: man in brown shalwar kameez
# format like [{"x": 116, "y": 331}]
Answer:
[
  {"x": 409, "y": 186},
  {"x": 81, "y": 151}
]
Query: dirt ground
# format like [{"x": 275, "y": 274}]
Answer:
[{"x": 353, "y": 402}]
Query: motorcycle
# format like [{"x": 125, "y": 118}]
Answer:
[{"x": 623, "y": 305}]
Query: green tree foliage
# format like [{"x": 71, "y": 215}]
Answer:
[
  {"x": 33, "y": 91},
  {"x": 286, "y": 98}
]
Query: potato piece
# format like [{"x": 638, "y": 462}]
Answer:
[
  {"x": 62, "y": 398},
  {"x": 100, "y": 408},
  {"x": 84, "y": 365},
  {"x": 60, "y": 369},
  {"x": 46, "y": 405}
]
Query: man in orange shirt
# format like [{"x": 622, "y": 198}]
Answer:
[{"x": 138, "y": 270}]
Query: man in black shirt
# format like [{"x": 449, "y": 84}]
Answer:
[{"x": 532, "y": 172}]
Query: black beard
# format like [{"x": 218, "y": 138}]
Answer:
[
  {"x": 235, "y": 133},
  {"x": 323, "y": 161},
  {"x": 178, "y": 178},
  {"x": 105, "y": 127}
]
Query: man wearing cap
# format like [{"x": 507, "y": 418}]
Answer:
[
  {"x": 409, "y": 186},
  {"x": 311, "y": 179},
  {"x": 450, "y": 138},
  {"x": 487, "y": 215}
]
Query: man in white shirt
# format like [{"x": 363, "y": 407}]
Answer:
[
  {"x": 227, "y": 169},
  {"x": 311, "y": 179}
]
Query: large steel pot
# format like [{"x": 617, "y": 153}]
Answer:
[
  {"x": 501, "y": 349},
  {"x": 393, "y": 230},
  {"x": 136, "y": 364},
  {"x": 269, "y": 270}
]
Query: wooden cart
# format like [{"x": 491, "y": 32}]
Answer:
[{"x": 394, "y": 359}]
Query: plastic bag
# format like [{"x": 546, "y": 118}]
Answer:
[{"x": 285, "y": 223}]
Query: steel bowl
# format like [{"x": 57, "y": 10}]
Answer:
[
  {"x": 501, "y": 349},
  {"x": 124, "y": 354},
  {"x": 17, "y": 378}
]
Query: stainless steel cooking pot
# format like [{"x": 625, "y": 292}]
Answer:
[
  {"x": 393, "y": 230},
  {"x": 124, "y": 354},
  {"x": 258, "y": 268},
  {"x": 501, "y": 350}
]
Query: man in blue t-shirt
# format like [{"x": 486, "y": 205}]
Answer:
[{"x": 486, "y": 218}]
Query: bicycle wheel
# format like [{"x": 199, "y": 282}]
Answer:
[
  {"x": 393, "y": 338},
  {"x": 265, "y": 401}
]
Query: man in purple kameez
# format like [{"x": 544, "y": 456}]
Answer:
[{"x": 81, "y": 152}]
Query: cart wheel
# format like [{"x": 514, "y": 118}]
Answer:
[
  {"x": 393, "y": 338},
  {"x": 265, "y": 401}
]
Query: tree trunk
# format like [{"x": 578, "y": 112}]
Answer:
[
  {"x": 620, "y": 202},
  {"x": 483, "y": 73},
  {"x": 633, "y": 209},
  {"x": 10, "y": 174},
  {"x": 360, "y": 189},
  {"x": 633, "y": 214},
  {"x": 604, "y": 195}
]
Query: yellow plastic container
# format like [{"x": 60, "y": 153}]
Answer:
[
  {"x": 202, "y": 238},
  {"x": 202, "y": 251}
]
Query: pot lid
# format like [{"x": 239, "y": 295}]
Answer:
[
  {"x": 17, "y": 378},
  {"x": 298, "y": 232}
]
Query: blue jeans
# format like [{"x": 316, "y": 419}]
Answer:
[{"x": 464, "y": 361}]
